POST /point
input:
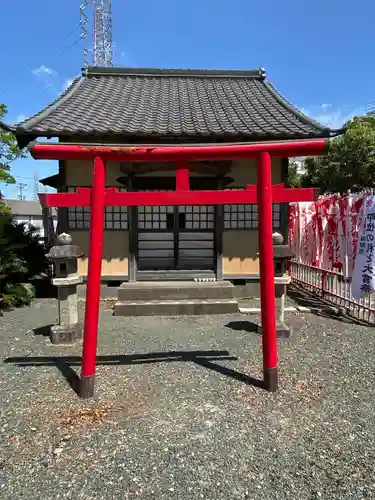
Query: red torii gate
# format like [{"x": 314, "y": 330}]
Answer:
[{"x": 97, "y": 197}]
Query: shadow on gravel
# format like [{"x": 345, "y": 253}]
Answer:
[
  {"x": 44, "y": 289},
  {"x": 43, "y": 331},
  {"x": 206, "y": 359},
  {"x": 243, "y": 326},
  {"x": 323, "y": 307}
]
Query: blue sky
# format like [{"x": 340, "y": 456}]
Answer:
[{"x": 319, "y": 54}]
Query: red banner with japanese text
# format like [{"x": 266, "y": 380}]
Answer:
[{"x": 324, "y": 233}]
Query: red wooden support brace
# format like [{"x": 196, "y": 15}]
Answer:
[
  {"x": 182, "y": 176},
  {"x": 90, "y": 337},
  {"x": 81, "y": 198}
]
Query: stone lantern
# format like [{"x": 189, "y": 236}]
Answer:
[
  {"x": 282, "y": 254},
  {"x": 65, "y": 256}
]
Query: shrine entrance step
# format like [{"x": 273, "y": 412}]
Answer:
[{"x": 175, "y": 298}]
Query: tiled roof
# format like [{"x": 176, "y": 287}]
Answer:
[{"x": 162, "y": 103}]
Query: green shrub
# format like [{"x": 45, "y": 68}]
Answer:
[{"x": 22, "y": 257}]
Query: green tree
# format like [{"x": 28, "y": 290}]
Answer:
[
  {"x": 21, "y": 254},
  {"x": 349, "y": 162},
  {"x": 9, "y": 151},
  {"x": 294, "y": 178}
]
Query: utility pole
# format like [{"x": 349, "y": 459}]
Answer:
[
  {"x": 36, "y": 185},
  {"x": 21, "y": 186}
]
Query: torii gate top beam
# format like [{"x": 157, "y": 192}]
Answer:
[{"x": 169, "y": 153}]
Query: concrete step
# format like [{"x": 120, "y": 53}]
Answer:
[
  {"x": 175, "y": 307},
  {"x": 176, "y": 275},
  {"x": 175, "y": 290}
]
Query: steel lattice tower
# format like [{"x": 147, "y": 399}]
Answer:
[
  {"x": 370, "y": 108},
  {"x": 101, "y": 11}
]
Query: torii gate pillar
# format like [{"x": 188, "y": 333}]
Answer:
[
  {"x": 90, "y": 337},
  {"x": 266, "y": 268}
]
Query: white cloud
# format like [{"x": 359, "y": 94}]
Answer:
[
  {"x": 21, "y": 118},
  {"x": 44, "y": 70},
  {"x": 67, "y": 83},
  {"x": 331, "y": 116}
]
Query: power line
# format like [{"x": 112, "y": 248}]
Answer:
[
  {"x": 102, "y": 34},
  {"x": 22, "y": 177},
  {"x": 43, "y": 89},
  {"x": 21, "y": 186},
  {"x": 48, "y": 62}
]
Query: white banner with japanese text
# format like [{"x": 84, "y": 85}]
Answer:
[{"x": 363, "y": 281}]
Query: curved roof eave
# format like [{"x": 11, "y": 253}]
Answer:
[{"x": 32, "y": 128}]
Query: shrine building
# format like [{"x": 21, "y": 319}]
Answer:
[{"x": 170, "y": 107}]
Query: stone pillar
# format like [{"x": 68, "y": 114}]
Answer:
[
  {"x": 282, "y": 254},
  {"x": 280, "y": 302},
  {"x": 64, "y": 255},
  {"x": 281, "y": 282}
]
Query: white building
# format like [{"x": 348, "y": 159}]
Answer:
[
  {"x": 32, "y": 214},
  {"x": 300, "y": 162}
]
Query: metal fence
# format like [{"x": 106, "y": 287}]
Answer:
[{"x": 333, "y": 287}]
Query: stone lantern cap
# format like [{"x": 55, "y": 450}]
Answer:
[
  {"x": 281, "y": 251},
  {"x": 64, "y": 250}
]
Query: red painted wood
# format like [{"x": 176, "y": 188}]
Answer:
[
  {"x": 81, "y": 198},
  {"x": 220, "y": 197},
  {"x": 266, "y": 263},
  {"x": 60, "y": 151},
  {"x": 264, "y": 195},
  {"x": 94, "y": 270},
  {"x": 182, "y": 179}
]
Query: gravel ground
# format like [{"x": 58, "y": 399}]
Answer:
[
  {"x": 254, "y": 302},
  {"x": 183, "y": 430}
]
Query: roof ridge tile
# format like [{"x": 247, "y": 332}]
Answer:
[{"x": 174, "y": 72}]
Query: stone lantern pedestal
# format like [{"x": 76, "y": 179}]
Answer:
[
  {"x": 65, "y": 256},
  {"x": 282, "y": 254}
]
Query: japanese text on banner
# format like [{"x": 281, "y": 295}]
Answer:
[{"x": 363, "y": 282}]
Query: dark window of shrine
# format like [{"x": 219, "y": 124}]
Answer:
[
  {"x": 246, "y": 216},
  {"x": 114, "y": 217},
  {"x": 170, "y": 221},
  {"x": 189, "y": 217},
  {"x": 200, "y": 217},
  {"x": 181, "y": 221}
]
